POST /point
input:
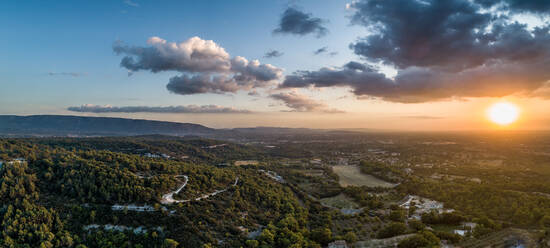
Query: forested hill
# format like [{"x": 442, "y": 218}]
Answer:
[{"x": 59, "y": 125}]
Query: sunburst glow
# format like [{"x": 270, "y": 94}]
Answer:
[{"x": 503, "y": 113}]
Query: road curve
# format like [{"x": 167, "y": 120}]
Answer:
[{"x": 169, "y": 197}]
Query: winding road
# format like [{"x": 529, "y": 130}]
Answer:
[{"x": 169, "y": 197}]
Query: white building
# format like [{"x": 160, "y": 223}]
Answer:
[{"x": 460, "y": 232}]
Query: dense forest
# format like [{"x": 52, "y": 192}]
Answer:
[
  {"x": 61, "y": 195},
  {"x": 160, "y": 191}
]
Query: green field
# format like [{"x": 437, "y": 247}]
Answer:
[
  {"x": 339, "y": 201},
  {"x": 352, "y": 176}
]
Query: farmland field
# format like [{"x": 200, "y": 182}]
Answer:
[
  {"x": 339, "y": 201},
  {"x": 352, "y": 176}
]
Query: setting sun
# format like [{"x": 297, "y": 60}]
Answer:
[{"x": 503, "y": 113}]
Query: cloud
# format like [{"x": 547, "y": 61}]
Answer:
[
  {"x": 441, "y": 50},
  {"x": 131, "y": 3},
  {"x": 418, "y": 33},
  {"x": 273, "y": 54},
  {"x": 321, "y": 50},
  {"x": 194, "y": 109},
  {"x": 537, "y": 6},
  {"x": 72, "y": 74},
  {"x": 296, "y": 22},
  {"x": 193, "y": 55},
  {"x": 415, "y": 84},
  {"x": 205, "y": 66},
  {"x": 302, "y": 103},
  {"x": 324, "y": 50}
]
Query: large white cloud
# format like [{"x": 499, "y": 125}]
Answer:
[{"x": 205, "y": 66}]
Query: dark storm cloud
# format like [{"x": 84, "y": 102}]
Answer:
[
  {"x": 423, "y": 33},
  {"x": 294, "y": 21},
  {"x": 195, "y": 109},
  {"x": 273, "y": 54},
  {"x": 451, "y": 35},
  {"x": 302, "y": 103},
  {"x": 442, "y": 49},
  {"x": 417, "y": 84},
  {"x": 205, "y": 66}
]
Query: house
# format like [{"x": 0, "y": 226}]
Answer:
[
  {"x": 338, "y": 244},
  {"x": 151, "y": 155}
]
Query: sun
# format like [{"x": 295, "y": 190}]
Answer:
[{"x": 503, "y": 113}]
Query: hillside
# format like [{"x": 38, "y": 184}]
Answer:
[{"x": 58, "y": 125}]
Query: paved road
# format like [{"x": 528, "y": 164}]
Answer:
[{"x": 169, "y": 197}]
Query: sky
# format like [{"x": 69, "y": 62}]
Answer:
[{"x": 376, "y": 64}]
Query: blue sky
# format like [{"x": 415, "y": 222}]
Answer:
[{"x": 77, "y": 37}]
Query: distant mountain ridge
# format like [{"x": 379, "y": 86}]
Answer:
[{"x": 63, "y": 125}]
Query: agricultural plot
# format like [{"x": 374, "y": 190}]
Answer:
[
  {"x": 352, "y": 176},
  {"x": 340, "y": 201}
]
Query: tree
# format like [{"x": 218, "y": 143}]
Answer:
[
  {"x": 391, "y": 230},
  {"x": 415, "y": 241},
  {"x": 397, "y": 215},
  {"x": 322, "y": 235},
  {"x": 416, "y": 225},
  {"x": 545, "y": 222},
  {"x": 267, "y": 237},
  {"x": 252, "y": 243},
  {"x": 170, "y": 243},
  {"x": 350, "y": 237}
]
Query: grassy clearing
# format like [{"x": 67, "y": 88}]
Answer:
[
  {"x": 352, "y": 176},
  {"x": 340, "y": 201}
]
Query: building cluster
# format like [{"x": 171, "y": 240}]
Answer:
[
  {"x": 422, "y": 205},
  {"x": 153, "y": 155}
]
